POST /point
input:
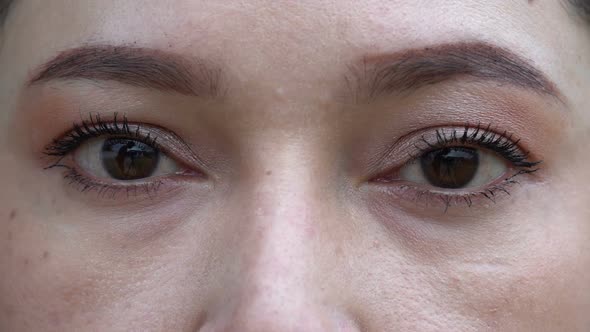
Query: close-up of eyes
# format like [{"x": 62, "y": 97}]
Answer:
[
  {"x": 453, "y": 166},
  {"x": 446, "y": 165},
  {"x": 257, "y": 165},
  {"x": 108, "y": 156}
]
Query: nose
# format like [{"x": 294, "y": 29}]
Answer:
[{"x": 280, "y": 284}]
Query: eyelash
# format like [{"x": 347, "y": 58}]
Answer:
[
  {"x": 488, "y": 139},
  {"x": 478, "y": 136},
  {"x": 94, "y": 127},
  {"x": 483, "y": 137}
]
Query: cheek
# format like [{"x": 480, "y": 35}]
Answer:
[
  {"x": 58, "y": 276},
  {"x": 541, "y": 286},
  {"x": 42, "y": 284},
  {"x": 526, "y": 273}
]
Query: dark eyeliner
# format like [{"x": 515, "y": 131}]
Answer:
[
  {"x": 95, "y": 127},
  {"x": 504, "y": 145}
]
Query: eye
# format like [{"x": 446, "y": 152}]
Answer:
[
  {"x": 454, "y": 165},
  {"x": 115, "y": 156},
  {"x": 455, "y": 168},
  {"x": 123, "y": 159}
]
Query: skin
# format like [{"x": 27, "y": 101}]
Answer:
[{"x": 286, "y": 233}]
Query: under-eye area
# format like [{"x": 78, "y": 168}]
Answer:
[
  {"x": 280, "y": 165},
  {"x": 452, "y": 166}
]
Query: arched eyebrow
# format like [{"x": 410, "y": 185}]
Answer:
[
  {"x": 135, "y": 66},
  {"x": 375, "y": 76},
  {"x": 381, "y": 74}
]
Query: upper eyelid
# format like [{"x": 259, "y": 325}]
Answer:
[
  {"x": 161, "y": 138},
  {"x": 405, "y": 148},
  {"x": 95, "y": 127},
  {"x": 504, "y": 144}
]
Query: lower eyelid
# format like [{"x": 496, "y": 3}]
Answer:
[
  {"x": 424, "y": 197},
  {"x": 77, "y": 155},
  {"x": 118, "y": 193}
]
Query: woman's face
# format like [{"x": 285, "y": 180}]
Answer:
[{"x": 294, "y": 166}]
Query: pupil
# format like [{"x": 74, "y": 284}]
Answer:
[
  {"x": 126, "y": 159},
  {"x": 450, "y": 167}
]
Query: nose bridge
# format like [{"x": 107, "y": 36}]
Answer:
[
  {"x": 276, "y": 283},
  {"x": 283, "y": 215},
  {"x": 276, "y": 289}
]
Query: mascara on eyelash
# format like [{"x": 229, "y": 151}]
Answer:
[
  {"x": 116, "y": 130},
  {"x": 92, "y": 128},
  {"x": 491, "y": 194},
  {"x": 482, "y": 137},
  {"x": 476, "y": 136},
  {"x": 95, "y": 126}
]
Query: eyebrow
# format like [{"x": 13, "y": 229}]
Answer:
[
  {"x": 135, "y": 66},
  {"x": 379, "y": 75}
]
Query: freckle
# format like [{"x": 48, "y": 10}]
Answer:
[
  {"x": 268, "y": 172},
  {"x": 26, "y": 262},
  {"x": 12, "y": 215},
  {"x": 45, "y": 254}
]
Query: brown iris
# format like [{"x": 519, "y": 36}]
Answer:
[
  {"x": 450, "y": 167},
  {"x": 127, "y": 159}
]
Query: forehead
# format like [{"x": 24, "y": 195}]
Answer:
[
  {"x": 313, "y": 36},
  {"x": 367, "y": 22},
  {"x": 266, "y": 13}
]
